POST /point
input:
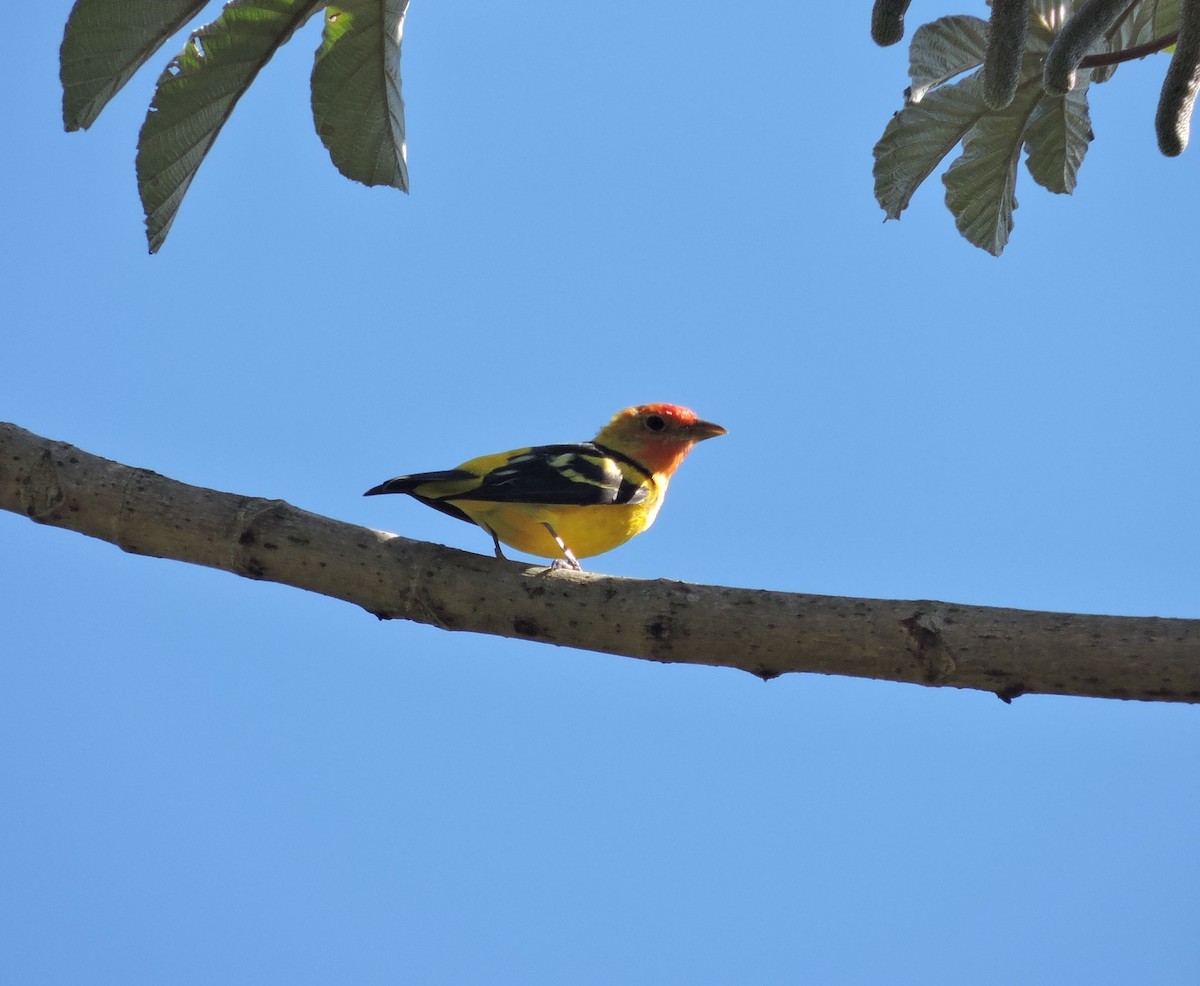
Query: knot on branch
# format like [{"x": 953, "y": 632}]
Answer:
[
  {"x": 42, "y": 493},
  {"x": 253, "y": 539},
  {"x": 928, "y": 646}
]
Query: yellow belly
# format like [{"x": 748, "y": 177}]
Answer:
[{"x": 587, "y": 531}]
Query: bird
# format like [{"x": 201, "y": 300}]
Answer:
[{"x": 570, "y": 501}]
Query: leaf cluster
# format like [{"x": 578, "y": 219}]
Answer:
[
  {"x": 357, "y": 107},
  {"x": 1019, "y": 82}
]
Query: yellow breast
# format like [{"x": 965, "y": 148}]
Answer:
[{"x": 586, "y": 530}]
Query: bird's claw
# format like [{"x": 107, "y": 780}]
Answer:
[
  {"x": 568, "y": 560},
  {"x": 565, "y": 565}
]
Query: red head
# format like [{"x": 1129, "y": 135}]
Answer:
[{"x": 657, "y": 436}]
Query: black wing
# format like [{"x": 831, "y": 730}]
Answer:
[{"x": 578, "y": 475}]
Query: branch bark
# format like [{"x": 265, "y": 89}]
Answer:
[{"x": 1005, "y": 651}]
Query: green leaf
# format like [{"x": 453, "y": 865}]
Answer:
[
  {"x": 1148, "y": 20},
  {"x": 196, "y": 94},
  {"x": 105, "y": 43},
  {"x": 1057, "y": 138},
  {"x": 918, "y": 137},
  {"x": 357, "y": 107},
  {"x": 981, "y": 184},
  {"x": 943, "y": 49}
]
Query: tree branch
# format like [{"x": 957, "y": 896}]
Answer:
[
  {"x": 1130, "y": 54},
  {"x": 1009, "y": 652}
]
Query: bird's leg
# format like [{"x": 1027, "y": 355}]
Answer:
[
  {"x": 495, "y": 541},
  {"x": 568, "y": 560}
]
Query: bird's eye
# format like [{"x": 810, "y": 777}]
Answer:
[{"x": 655, "y": 423}]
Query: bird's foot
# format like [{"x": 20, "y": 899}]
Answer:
[
  {"x": 568, "y": 560},
  {"x": 563, "y": 565}
]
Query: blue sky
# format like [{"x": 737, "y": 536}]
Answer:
[{"x": 212, "y": 780}]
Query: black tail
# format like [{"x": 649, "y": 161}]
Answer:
[
  {"x": 408, "y": 484},
  {"x": 401, "y": 484}
]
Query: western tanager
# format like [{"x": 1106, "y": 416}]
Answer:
[{"x": 568, "y": 502}]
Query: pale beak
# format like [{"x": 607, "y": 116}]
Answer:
[{"x": 701, "y": 430}]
